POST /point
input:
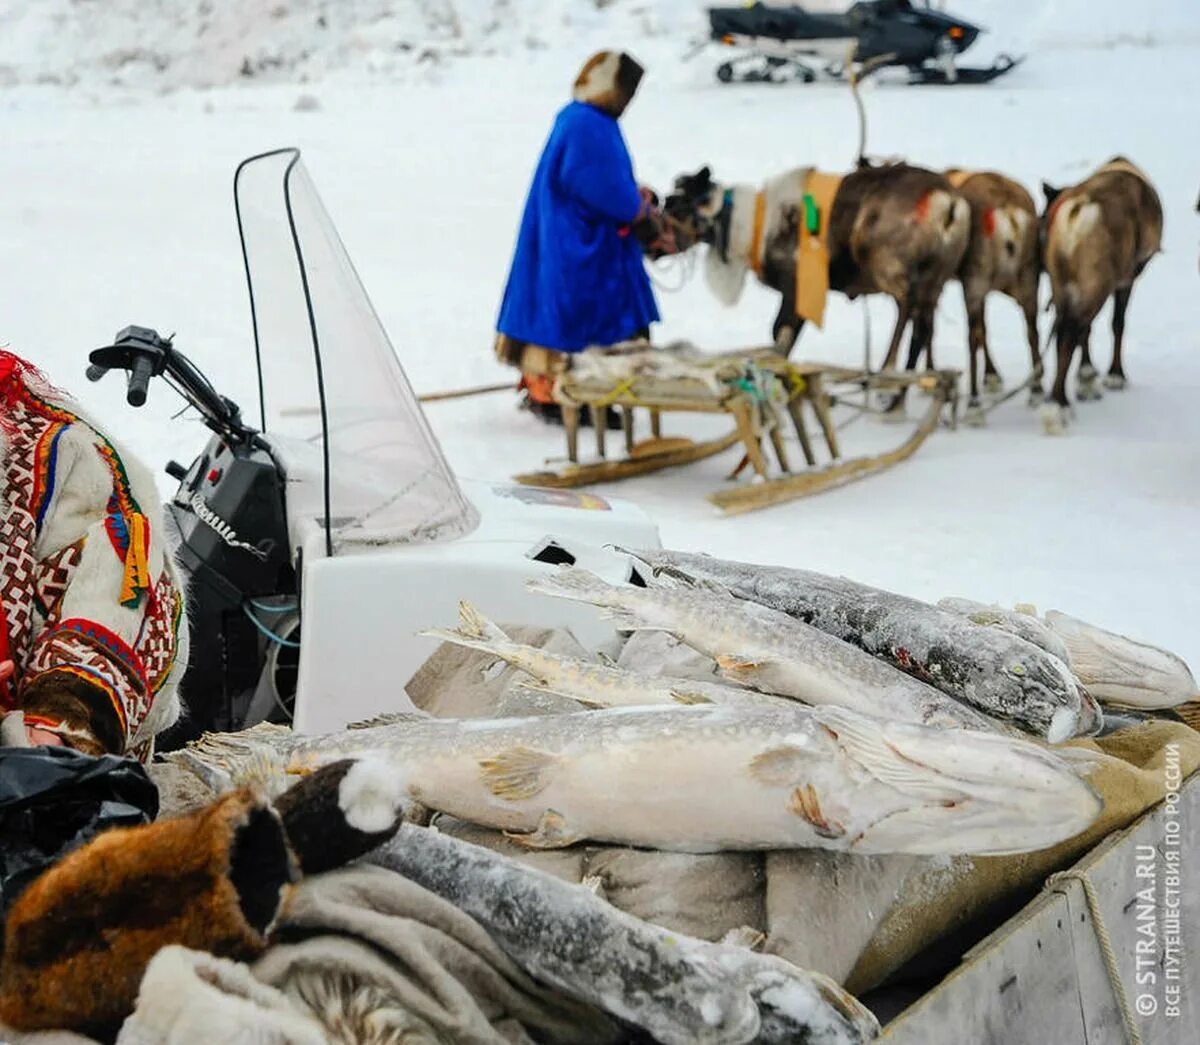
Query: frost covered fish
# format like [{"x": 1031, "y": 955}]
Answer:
[
  {"x": 766, "y": 649},
  {"x": 1017, "y": 622},
  {"x": 588, "y": 682},
  {"x": 995, "y": 672},
  {"x": 1114, "y": 668},
  {"x": 1120, "y": 669},
  {"x": 704, "y": 779},
  {"x": 683, "y": 991}
]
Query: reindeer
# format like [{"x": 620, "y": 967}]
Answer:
[
  {"x": 893, "y": 229},
  {"x": 1097, "y": 238},
  {"x": 1002, "y": 254}
]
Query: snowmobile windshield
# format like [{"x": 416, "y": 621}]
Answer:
[{"x": 360, "y": 456}]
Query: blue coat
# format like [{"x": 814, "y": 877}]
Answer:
[{"x": 575, "y": 279}]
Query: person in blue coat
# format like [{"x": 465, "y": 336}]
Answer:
[{"x": 577, "y": 277}]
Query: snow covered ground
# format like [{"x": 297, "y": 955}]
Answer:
[{"x": 115, "y": 207}]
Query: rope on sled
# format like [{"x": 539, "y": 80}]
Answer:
[{"x": 1132, "y": 1033}]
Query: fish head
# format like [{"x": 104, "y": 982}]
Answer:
[{"x": 1052, "y": 700}]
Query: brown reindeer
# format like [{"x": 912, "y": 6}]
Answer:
[
  {"x": 893, "y": 229},
  {"x": 1002, "y": 254},
  {"x": 1098, "y": 236}
]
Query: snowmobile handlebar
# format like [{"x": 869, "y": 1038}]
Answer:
[{"x": 143, "y": 353}]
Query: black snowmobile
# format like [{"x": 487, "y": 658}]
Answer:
[{"x": 784, "y": 43}]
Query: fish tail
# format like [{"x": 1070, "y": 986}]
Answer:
[
  {"x": 474, "y": 631},
  {"x": 574, "y": 583},
  {"x": 474, "y": 624},
  {"x": 258, "y": 756}
]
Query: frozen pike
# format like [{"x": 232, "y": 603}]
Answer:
[
  {"x": 682, "y": 991},
  {"x": 1122, "y": 670},
  {"x": 1017, "y": 622},
  {"x": 766, "y": 649},
  {"x": 586, "y": 681},
  {"x": 705, "y": 779},
  {"x": 997, "y": 673}
]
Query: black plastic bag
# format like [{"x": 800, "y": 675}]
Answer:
[{"x": 54, "y": 799}]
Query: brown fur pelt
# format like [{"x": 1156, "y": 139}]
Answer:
[
  {"x": 80, "y": 937},
  {"x": 1098, "y": 237}
]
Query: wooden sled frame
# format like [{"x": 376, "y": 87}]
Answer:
[
  {"x": 806, "y": 382},
  {"x": 803, "y": 381},
  {"x": 943, "y": 388}
]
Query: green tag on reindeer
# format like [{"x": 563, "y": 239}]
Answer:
[{"x": 812, "y": 217}]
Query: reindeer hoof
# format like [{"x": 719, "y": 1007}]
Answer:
[
  {"x": 1055, "y": 418},
  {"x": 974, "y": 415},
  {"x": 1036, "y": 397},
  {"x": 993, "y": 384},
  {"x": 1115, "y": 381},
  {"x": 1087, "y": 391}
]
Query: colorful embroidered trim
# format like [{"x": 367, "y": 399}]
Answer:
[
  {"x": 45, "y": 466},
  {"x": 112, "y": 644},
  {"x": 128, "y": 530}
]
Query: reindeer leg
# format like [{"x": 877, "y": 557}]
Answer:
[
  {"x": 1030, "y": 308},
  {"x": 885, "y": 402},
  {"x": 786, "y": 331},
  {"x": 922, "y": 336},
  {"x": 1056, "y": 413},
  {"x": 1116, "y": 372},
  {"x": 993, "y": 383},
  {"x": 976, "y": 342},
  {"x": 902, "y": 317},
  {"x": 1085, "y": 382}
]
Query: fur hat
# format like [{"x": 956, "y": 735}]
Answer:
[
  {"x": 80, "y": 937},
  {"x": 608, "y": 80}
]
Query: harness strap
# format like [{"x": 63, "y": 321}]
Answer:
[
  {"x": 756, "y": 235},
  {"x": 812, "y": 245}
]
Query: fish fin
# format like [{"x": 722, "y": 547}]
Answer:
[
  {"x": 389, "y": 718},
  {"x": 551, "y": 833},
  {"x": 745, "y": 936},
  {"x": 541, "y": 689},
  {"x": 740, "y": 667},
  {"x": 574, "y": 583},
  {"x": 516, "y": 772},
  {"x": 806, "y": 805},
  {"x": 624, "y": 620},
  {"x": 473, "y": 623},
  {"x": 683, "y": 696},
  {"x": 779, "y": 765},
  {"x": 866, "y": 741},
  {"x": 474, "y": 631},
  {"x": 459, "y": 639}
]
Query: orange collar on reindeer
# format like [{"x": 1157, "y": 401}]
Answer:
[
  {"x": 817, "y": 192},
  {"x": 812, "y": 245}
]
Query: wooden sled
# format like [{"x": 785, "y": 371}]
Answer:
[
  {"x": 717, "y": 386},
  {"x": 943, "y": 386}
]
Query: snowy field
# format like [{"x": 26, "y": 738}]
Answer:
[{"x": 115, "y": 208}]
